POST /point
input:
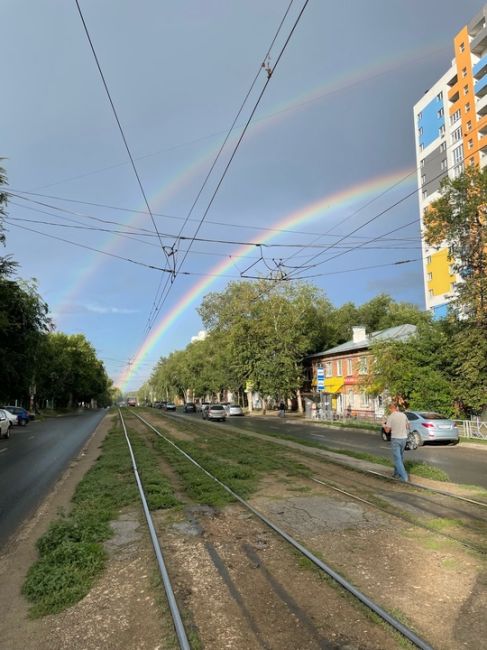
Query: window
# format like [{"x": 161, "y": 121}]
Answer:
[
  {"x": 470, "y": 144},
  {"x": 422, "y": 162},
  {"x": 420, "y": 130},
  {"x": 430, "y": 293},
  {"x": 471, "y": 162},
  {"x": 328, "y": 369},
  {"x": 421, "y": 146},
  {"x": 339, "y": 367},
  {"x": 462, "y": 47},
  {"x": 439, "y": 96},
  {"x": 465, "y": 90},
  {"x": 443, "y": 146},
  {"x": 458, "y": 154},
  {"x": 464, "y": 72},
  {"x": 349, "y": 367},
  {"x": 469, "y": 125},
  {"x": 467, "y": 107},
  {"x": 364, "y": 399},
  {"x": 362, "y": 365},
  {"x": 444, "y": 164},
  {"x": 430, "y": 277},
  {"x": 441, "y": 130},
  {"x": 428, "y": 259},
  {"x": 455, "y": 116},
  {"x": 423, "y": 179},
  {"x": 425, "y": 193},
  {"x": 350, "y": 397},
  {"x": 420, "y": 116},
  {"x": 440, "y": 113},
  {"x": 456, "y": 135}
]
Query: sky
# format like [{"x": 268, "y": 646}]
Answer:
[{"x": 321, "y": 187}]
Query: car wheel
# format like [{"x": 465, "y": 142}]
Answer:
[
  {"x": 7, "y": 433},
  {"x": 454, "y": 442},
  {"x": 418, "y": 439}
]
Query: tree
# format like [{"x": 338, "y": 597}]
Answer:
[
  {"x": 459, "y": 219},
  {"x": 23, "y": 323},
  {"x": 416, "y": 372},
  {"x": 268, "y": 327}
]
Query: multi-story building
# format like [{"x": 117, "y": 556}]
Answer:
[
  {"x": 451, "y": 132},
  {"x": 345, "y": 368}
]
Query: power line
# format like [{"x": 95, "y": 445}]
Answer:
[
  {"x": 160, "y": 292},
  {"x": 236, "y": 147},
  {"x": 129, "y": 153},
  {"x": 18, "y": 194}
]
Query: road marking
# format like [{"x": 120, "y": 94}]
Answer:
[{"x": 2, "y": 450}]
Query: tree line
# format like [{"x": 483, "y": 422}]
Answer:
[{"x": 55, "y": 368}]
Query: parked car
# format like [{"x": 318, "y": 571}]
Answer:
[
  {"x": 214, "y": 412},
  {"x": 14, "y": 420},
  {"x": 4, "y": 425},
  {"x": 233, "y": 409},
  {"x": 202, "y": 405},
  {"x": 189, "y": 407},
  {"x": 170, "y": 406},
  {"x": 23, "y": 415},
  {"x": 429, "y": 426}
]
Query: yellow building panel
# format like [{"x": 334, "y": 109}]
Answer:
[{"x": 439, "y": 272}]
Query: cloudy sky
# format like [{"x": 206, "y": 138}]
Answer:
[{"x": 322, "y": 184}]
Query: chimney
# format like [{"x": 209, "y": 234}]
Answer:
[{"x": 359, "y": 334}]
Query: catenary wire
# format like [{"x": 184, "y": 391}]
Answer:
[
  {"x": 122, "y": 133},
  {"x": 235, "y": 149},
  {"x": 168, "y": 281},
  {"x": 156, "y": 268}
]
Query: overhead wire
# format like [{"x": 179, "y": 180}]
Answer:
[
  {"x": 122, "y": 133},
  {"x": 235, "y": 149},
  {"x": 160, "y": 291}
]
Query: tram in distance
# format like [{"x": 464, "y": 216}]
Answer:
[{"x": 132, "y": 401}]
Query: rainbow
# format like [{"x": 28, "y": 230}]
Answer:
[
  {"x": 179, "y": 180},
  {"x": 322, "y": 207}
]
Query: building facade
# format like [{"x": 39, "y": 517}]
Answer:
[
  {"x": 345, "y": 368},
  {"x": 451, "y": 132}
]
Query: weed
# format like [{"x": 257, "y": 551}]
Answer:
[{"x": 71, "y": 553}]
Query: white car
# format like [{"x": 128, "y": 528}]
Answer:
[
  {"x": 14, "y": 420},
  {"x": 4, "y": 424},
  {"x": 214, "y": 412},
  {"x": 233, "y": 409}
]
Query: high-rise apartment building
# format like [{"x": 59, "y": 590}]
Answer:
[{"x": 451, "y": 132}]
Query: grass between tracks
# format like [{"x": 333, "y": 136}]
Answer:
[
  {"x": 71, "y": 553},
  {"x": 238, "y": 460},
  {"x": 418, "y": 468}
]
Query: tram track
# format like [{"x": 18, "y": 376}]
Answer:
[{"x": 361, "y": 597}]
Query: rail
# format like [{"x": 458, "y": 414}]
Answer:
[
  {"x": 365, "y": 600},
  {"x": 171, "y": 599}
]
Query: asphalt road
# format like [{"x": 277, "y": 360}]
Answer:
[
  {"x": 33, "y": 459},
  {"x": 463, "y": 463}
]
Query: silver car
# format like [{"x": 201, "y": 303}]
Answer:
[
  {"x": 428, "y": 426},
  {"x": 233, "y": 409},
  {"x": 4, "y": 424},
  {"x": 214, "y": 412}
]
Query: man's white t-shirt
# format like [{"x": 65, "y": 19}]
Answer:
[{"x": 398, "y": 423}]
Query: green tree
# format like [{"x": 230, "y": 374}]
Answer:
[
  {"x": 268, "y": 327},
  {"x": 459, "y": 220},
  {"x": 416, "y": 371},
  {"x": 23, "y": 323}
]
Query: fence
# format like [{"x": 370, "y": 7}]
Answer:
[{"x": 472, "y": 429}]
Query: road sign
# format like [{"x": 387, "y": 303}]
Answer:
[{"x": 320, "y": 376}]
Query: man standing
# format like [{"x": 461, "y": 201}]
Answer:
[{"x": 397, "y": 425}]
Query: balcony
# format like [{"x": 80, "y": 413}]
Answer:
[
  {"x": 481, "y": 87},
  {"x": 480, "y": 68},
  {"x": 482, "y": 106},
  {"x": 478, "y": 45}
]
